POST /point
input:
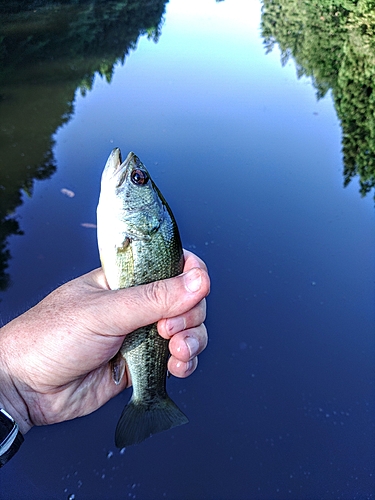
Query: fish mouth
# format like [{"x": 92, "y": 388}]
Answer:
[
  {"x": 119, "y": 164},
  {"x": 121, "y": 169}
]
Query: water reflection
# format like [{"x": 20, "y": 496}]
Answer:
[
  {"x": 333, "y": 43},
  {"x": 47, "y": 51}
]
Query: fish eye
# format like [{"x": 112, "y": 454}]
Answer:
[{"x": 139, "y": 177}]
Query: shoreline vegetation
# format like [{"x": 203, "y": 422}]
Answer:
[{"x": 333, "y": 43}]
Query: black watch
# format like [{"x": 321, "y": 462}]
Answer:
[{"x": 10, "y": 437}]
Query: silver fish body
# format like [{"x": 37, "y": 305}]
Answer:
[{"x": 139, "y": 243}]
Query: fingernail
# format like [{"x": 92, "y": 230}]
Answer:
[
  {"x": 175, "y": 325},
  {"x": 193, "y": 345},
  {"x": 189, "y": 366},
  {"x": 193, "y": 280}
]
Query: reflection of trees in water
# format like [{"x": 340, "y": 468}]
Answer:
[
  {"x": 333, "y": 42},
  {"x": 48, "y": 49}
]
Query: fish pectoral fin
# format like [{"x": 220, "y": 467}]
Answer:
[
  {"x": 139, "y": 421},
  {"x": 124, "y": 245}
]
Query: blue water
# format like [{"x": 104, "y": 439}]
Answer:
[{"x": 282, "y": 403}]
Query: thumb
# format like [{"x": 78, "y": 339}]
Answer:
[{"x": 142, "y": 305}]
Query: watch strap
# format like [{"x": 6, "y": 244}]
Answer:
[
  {"x": 12, "y": 450},
  {"x": 10, "y": 437}
]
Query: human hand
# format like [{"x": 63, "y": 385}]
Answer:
[{"x": 55, "y": 358}]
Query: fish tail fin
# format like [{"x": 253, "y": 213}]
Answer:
[{"x": 139, "y": 421}]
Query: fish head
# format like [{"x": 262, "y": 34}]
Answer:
[{"x": 130, "y": 205}]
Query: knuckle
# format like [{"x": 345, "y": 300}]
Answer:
[
  {"x": 156, "y": 294},
  {"x": 202, "y": 310},
  {"x": 204, "y": 336}
]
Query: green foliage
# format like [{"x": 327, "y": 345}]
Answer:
[{"x": 333, "y": 42}]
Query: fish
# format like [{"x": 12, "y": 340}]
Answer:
[{"x": 139, "y": 242}]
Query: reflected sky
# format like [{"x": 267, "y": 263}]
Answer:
[{"x": 250, "y": 162}]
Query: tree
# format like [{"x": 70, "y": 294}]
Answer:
[{"x": 332, "y": 42}]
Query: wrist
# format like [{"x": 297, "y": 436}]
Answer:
[
  {"x": 15, "y": 409},
  {"x": 10, "y": 398}
]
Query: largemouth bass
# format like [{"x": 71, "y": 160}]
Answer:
[{"x": 139, "y": 243}]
